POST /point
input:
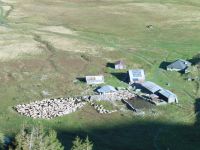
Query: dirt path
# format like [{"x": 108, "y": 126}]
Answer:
[{"x": 51, "y": 51}]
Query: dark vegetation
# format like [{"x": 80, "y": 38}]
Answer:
[{"x": 38, "y": 138}]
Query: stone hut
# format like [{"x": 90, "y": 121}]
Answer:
[
  {"x": 120, "y": 65},
  {"x": 95, "y": 79}
]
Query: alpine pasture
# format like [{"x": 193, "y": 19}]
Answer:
[{"x": 45, "y": 45}]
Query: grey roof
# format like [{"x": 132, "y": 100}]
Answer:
[
  {"x": 120, "y": 62},
  {"x": 106, "y": 89},
  {"x": 167, "y": 93},
  {"x": 179, "y": 64},
  {"x": 152, "y": 87}
]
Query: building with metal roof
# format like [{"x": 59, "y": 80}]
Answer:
[
  {"x": 106, "y": 89},
  {"x": 168, "y": 96},
  {"x": 94, "y": 79},
  {"x": 179, "y": 65},
  {"x": 162, "y": 93},
  {"x": 151, "y": 87},
  {"x": 136, "y": 76}
]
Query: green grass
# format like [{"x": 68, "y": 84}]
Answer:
[{"x": 121, "y": 26}]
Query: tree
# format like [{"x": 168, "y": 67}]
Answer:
[
  {"x": 2, "y": 140},
  {"x": 22, "y": 139},
  {"x": 196, "y": 59},
  {"x": 51, "y": 142},
  {"x": 37, "y": 139},
  {"x": 79, "y": 144}
]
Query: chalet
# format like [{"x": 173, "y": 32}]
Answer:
[
  {"x": 179, "y": 65},
  {"x": 120, "y": 65},
  {"x": 94, "y": 79},
  {"x": 136, "y": 76},
  {"x": 106, "y": 89},
  {"x": 162, "y": 93}
]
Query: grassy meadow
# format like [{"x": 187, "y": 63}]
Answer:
[{"x": 45, "y": 45}]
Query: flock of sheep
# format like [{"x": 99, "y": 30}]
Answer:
[{"x": 50, "y": 108}]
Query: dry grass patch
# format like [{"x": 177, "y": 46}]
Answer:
[
  {"x": 14, "y": 45},
  {"x": 68, "y": 44},
  {"x": 12, "y": 51}
]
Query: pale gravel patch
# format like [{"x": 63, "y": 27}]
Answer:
[{"x": 58, "y": 29}]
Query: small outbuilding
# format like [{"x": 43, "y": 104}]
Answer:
[
  {"x": 168, "y": 96},
  {"x": 136, "y": 76},
  {"x": 95, "y": 79},
  {"x": 162, "y": 93},
  {"x": 179, "y": 65},
  {"x": 151, "y": 87},
  {"x": 106, "y": 89},
  {"x": 120, "y": 65}
]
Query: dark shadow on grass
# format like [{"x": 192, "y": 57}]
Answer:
[
  {"x": 81, "y": 79},
  {"x": 197, "y": 111},
  {"x": 195, "y": 60},
  {"x": 164, "y": 65},
  {"x": 110, "y": 65},
  {"x": 139, "y": 135},
  {"x": 121, "y": 76}
]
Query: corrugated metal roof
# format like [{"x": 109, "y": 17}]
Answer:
[
  {"x": 152, "y": 87},
  {"x": 106, "y": 89},
  {"x": 167, "y": 93}
]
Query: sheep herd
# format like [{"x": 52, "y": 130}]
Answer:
[{"x": 51, "y": 108}]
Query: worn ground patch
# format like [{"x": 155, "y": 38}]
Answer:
[{"x": 57, "y": 29}]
